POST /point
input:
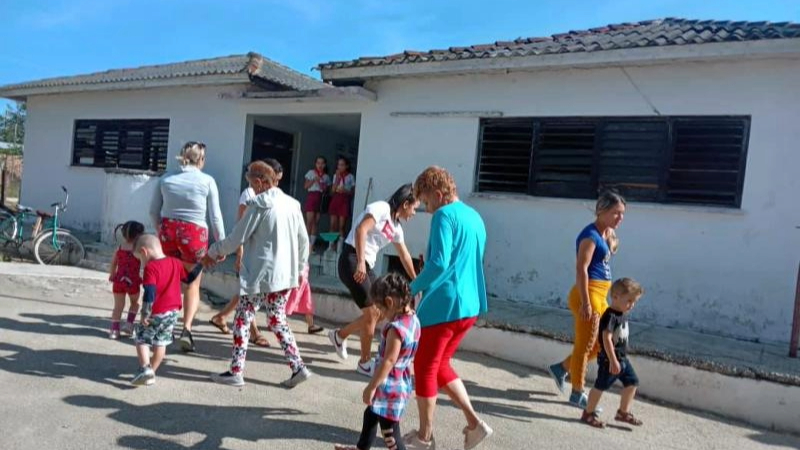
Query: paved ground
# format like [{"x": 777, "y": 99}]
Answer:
[{"x": 65, "y": 386}]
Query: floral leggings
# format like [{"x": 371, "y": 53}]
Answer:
[{"x": 275, "y": 303}]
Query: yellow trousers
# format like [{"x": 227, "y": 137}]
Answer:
[{"x": 586, "y": 346}]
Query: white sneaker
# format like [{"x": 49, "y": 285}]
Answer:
[
  {"x": 338, "y": 343},
  {"x": 228, "y": 378},
  {"x": 127, "y": 329},
  {"x": 297, "y": 378},
  {"x": 367, "y": 369},
  {"x": 412, "y": 442},
  {"x": 145, "y": 377},
  {"x": 474, "y": 437},
  {"x": 113, "y": 334}
]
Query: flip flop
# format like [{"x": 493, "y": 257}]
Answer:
[
  {"x": 260, "y": 340},
  {"x": 223, "y": 327},
  {"x": 315, "y": 329}
]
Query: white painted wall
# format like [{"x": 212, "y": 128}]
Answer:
[
  {"x": 126, "y": 196},
  {"x": 195, "y": 114},
  {"x": 728, "y": 272}
]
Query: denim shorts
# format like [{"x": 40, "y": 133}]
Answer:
[
  {"x": 627, "y": 376},
  {"x": 158, "y": 333}
]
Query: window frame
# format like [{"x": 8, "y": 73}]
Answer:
[
  {"x": 665, "y": 166},
  {"x": 151, "y": 160}
]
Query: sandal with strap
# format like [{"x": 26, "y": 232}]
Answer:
[
  {"x": 222, "y": 327},
  {"x": 314, "y": 329},
  {"x": 627, "y": 418},
  {"x": 592, "y": 419},
  {"x": 259, "y": 340}
]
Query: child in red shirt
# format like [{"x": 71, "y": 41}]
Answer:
[{"x": 162, "y": 280}]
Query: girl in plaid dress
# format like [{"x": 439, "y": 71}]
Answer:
[{"x": 390, "y": 388}]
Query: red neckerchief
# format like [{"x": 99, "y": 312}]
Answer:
[
  {"x": 320, "y": 173},
  {"x": 342, "y": 176}
]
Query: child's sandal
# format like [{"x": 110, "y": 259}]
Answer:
[
  {"x": 627, "y": 418},
  {"x": 592, "y": 419}
]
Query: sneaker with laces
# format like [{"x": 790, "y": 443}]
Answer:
[
  {"x": 579, "y": 399},
  {"x": 127, "y": 329},
  {"x": 298, "y": 377},
  {"x": 338, "y": 343},
  {"x": 559, "y": 376},
  {"x": 367, "y": 369},
  {"x": 413, "y": 442},
  {"x": 145, "y": 377},
  {"x": 475, "y": 436},
  {"x": 228, "y": 378},
  {"x": 187, "y": 341}
]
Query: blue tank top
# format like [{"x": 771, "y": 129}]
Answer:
[{"x": 599, "y": 267}]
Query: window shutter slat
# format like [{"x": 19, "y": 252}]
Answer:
[
  {"x": 131, "y": 144},
  {"x": 562, "y": 160},
  {"x": 505, "y": 156}
]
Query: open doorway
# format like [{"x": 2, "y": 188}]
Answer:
[{"x": 271, "y": 143}]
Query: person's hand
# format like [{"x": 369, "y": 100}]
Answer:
[
  {"x": 237, "y": 265},
  {"x": 146, "y": 321},
  {"x": 111, "y": 278},
  {"x": 586, "y": 312},
  {"x": 221, "y": 258},
  {"x": 368, "y": 394},
  {"x": 361, "y": 272},
  {"x": 615, "y": 368}
]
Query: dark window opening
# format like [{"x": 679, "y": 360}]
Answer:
[
  {"x": 127, "y": 144},
  {"x": 688, "y": 160}
]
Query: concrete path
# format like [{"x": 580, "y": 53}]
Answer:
[{"x": 65, "y": 386}]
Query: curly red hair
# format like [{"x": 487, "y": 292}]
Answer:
[{"x": 436, "y": 178}]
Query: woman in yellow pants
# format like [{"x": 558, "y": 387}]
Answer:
[{"x": 587, "y": 299}]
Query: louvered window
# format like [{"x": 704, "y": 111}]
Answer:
[
  {"x": 127, "y": 144},
  {"x": 693, "y": 160}
]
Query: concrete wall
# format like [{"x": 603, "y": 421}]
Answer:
[
  {"x": 722, "y": 271},
  {"x": 126, "y": 196}
]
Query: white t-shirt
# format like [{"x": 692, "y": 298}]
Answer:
[
  {"x": 247, "y": 195},
  {"x": 318, "y": 186},
  {"x": 382, "y": 234}
]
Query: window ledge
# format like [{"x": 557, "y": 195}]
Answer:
[
  {"x": 589, "y": 204},
  {"x": 120, "y": 171}
]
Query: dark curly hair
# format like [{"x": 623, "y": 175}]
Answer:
[
  {"x": 392, "y": 285},
  {"x": 131, "y": 230}
]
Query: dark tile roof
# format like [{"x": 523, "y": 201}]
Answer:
[
  {"x": 651, "y": 33},
  {"x": 250, "y": 65}
]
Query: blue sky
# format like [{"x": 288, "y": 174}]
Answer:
[{"x": 45, "y": 38}]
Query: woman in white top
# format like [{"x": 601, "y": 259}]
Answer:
[
  {"x": 178, "y": 212},
  {"x": 316, "y": 183},
  {"x": 377, "y": 227}
]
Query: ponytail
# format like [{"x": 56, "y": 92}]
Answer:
[{"x": 192, "y": 153}]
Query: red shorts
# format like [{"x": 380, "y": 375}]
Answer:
[
  {"x": 340, "y": 205},
  {"x": 313, "y": 202},
  {"x": 183, "y": 240},
  {"x": 123, "y": 287},
  {"x": 437, "y": 344}
]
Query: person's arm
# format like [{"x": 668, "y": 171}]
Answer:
[
  {"x": 608, "y": 345},
  {"x": 349, "y": 184},
  {"x": 147, "y": 302},
  {"x": 302, "y": 241},
  {"x": 113, "y": 269},
  {"x": 585, "y": 252},
  {"x": 390, "y": 355},
  {"x": 244, "y": 229},
  {"x": 440, "y": 247},
  {"x": 405, "y": 258},
  {"x": 155, "y": 206},
  {"x": 310, "y": 181},
  {"x": 214, "y": 212},
  {"x": 360, "y": 242},
  {"x": 239, "y": 251}
]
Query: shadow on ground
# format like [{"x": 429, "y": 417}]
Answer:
[{"x": 216, "y": 423}]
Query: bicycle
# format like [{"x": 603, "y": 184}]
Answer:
[{"x": 52, "y": 245}]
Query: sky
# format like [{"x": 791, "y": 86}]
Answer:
[{"x": 46, "y": 38}]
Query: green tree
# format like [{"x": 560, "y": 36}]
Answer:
[{"x": 12, "y": 126}]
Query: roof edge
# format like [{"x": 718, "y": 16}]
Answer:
[
  {"x": 20, "y": 94},
  {"x": 640, "y": 56}
]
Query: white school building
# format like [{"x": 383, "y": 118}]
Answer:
[{"x": 695, "y": 122}]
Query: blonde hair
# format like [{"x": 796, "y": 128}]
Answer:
[
  {"x": 435, "y": 178},
  {"x": 612, "y": 240},
  {"x": 149, "y": 241},
  {"x": 626, "y": 286},
  {"x": 192, "y": 153},
  {"x": 606, "y": 201}
]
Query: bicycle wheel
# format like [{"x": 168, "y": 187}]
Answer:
[
  {"x": 8, "y": 226},
  {"x": 64, "y": 250}
]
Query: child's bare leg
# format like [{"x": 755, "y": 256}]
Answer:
[
  {"x": 143, "y": 352},
  {"x": 310, "y": 320},
  {"x": 133, "y": 309},
  {"x": 119, "y": 305},
  {"x": 158, "y": 356},
  {"x": 626, "y": 399},
  {"x": 594, "y": 400}
]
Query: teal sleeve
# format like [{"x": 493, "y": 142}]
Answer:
[{"x": 440, "y": 247}]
